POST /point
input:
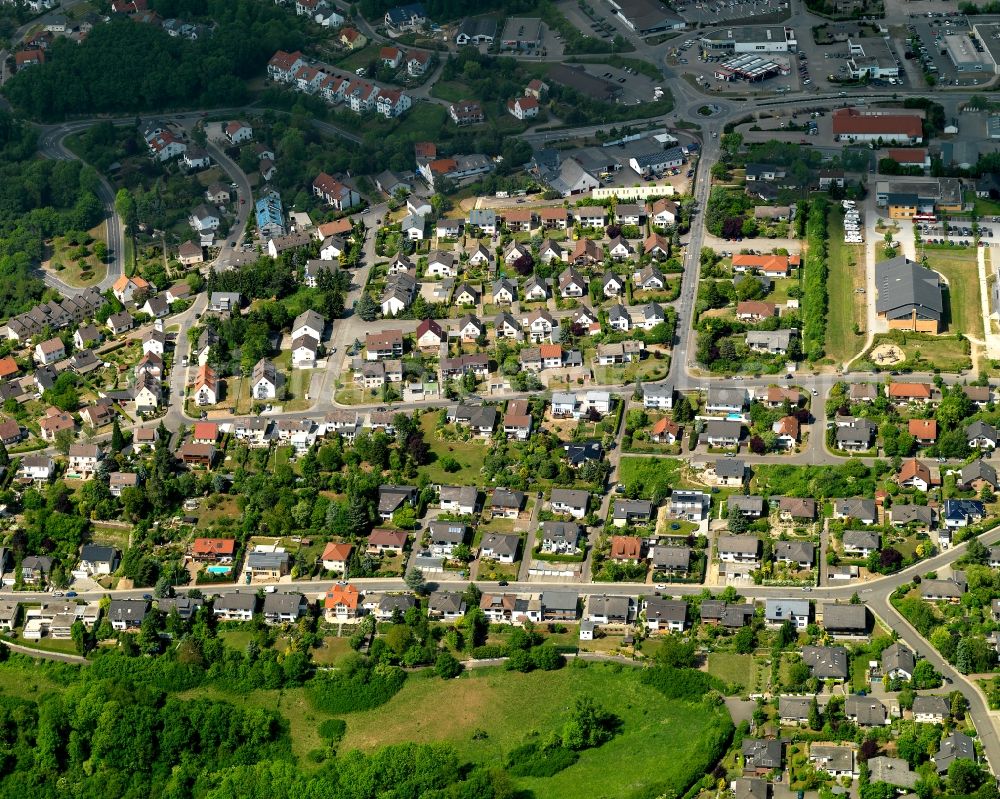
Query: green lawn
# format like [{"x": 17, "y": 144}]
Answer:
[
  {"x": 469, "y": 454},
  {"x": 451, "y": 90},
  {"x": 924, "y": 351},
  {"x": 859, "y": 671},
  {"x": 510, "y": 706},
  {"x": 846, "y": 306},
  {"x": 959, "y": 269},
  {"x": 653, "y": 475},
  {"x": 986, "y": 207},
  {"x": 734, "y": 669}
]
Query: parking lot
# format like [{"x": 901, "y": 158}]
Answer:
[
  {"x": 603, "y": 25},
  {"x": 960, "y": 232},
  {"x": 636, "y": 87},
  {"x": 928, "y": 45},
  {"x": 712, "y": 13}
]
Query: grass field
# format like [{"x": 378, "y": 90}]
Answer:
[
  {"x": 959, "y": 269},
  {"x": 86, "y": 272},
  {"x": 450, "y": 90},
  {"x": 654, "y": 475},
  {"x": 732, "y": 668},
  {"x": 509, "y": 707},
  {"x": 846, "y": 306},
  {"x": 469, "y": 454},
  {"x": 924, "y": 351}
]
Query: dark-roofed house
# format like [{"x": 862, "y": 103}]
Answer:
[
  {"x": 500, "y": 547},
  {"x": 949, "y": 590},
  {"x": 235, "y": 607},
  {"x": 898, "y": 662},
  {"x": 909, "y": 295},
  {"x": 752, "y": 507},
  {"x": 957, "y": 746},
  {"x": 845, "y": 620},
  {"x": 865, "y": 711},
  {"x": 761, "y": 755},
  {"x": 605, "y": 609},
  {"x": 559, "y": 605},
  {"x": 446, "y": 605},
  {"x": 931, "y": 709},
  {"x": 794, "y": 710},
  {"x": 861, "y": 510},
  {"x": 855, "y": 435},
  {"x": 911, "y": 515},
  {"x": 284, "y": 608},
  {"x": 799, "y": 553},
  {"x": 730, "y": 471},
  {"x": 631, "y": 511},
  {"x": 892, "y": 771},
  {"x": 127, "y": 614},
  {"x": 826, "y": 662},
  {"x": 506, "y": 503},
  {"x": 750, "y": 788},
  {"x": 569, "y": 501},
  {"x": 837, "y": 761},
  {"x": 675, "y": 561},
  {"x": 977, "y": 474},
  {"x": 860, "y": 543},
  {"x": 796, "y": 509},
  {"x": 665, "y": 615}
]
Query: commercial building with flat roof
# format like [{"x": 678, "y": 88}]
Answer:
[
  {"x": 965, "y": 56},
  {"x": 752, "y": 39},
  {"x": 522, "y": 33},
  {"x": 871, "y": 57},
  {"x": 647, "y": 16},
  {"x": 932, "y": 195},
  {"x": 988, "y": 34}
]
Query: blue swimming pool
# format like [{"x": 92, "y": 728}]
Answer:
[{"x": 218, "y": 569}]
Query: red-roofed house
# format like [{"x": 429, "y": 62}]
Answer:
[
  {"x": 923, "y": 430},
  {"x": 626, "y": 548},
  {"x": 29, "y": 58},
  {"x": 852, "y": 124},
  {"x": 335, "y": 557},
  {"x": 417, "y": 62},
  {"x": 8, "y": 367},
  {"x": 205, "y": 433},
  {"x": 915, "y": 156},
  {"x": 665, "y": 431},
  {"x": 391, "y": 56},
  {"x": 341, "y": 603},
  {"x": 335, "y": 193},
  {"x": 910, "y": 392},
  {"x": 916, "y": 475},
  {"x": 213, "y": 550},
  {"x": 382, "y": 540},
  {"x": 283, "y": 66},
  {"x": 523, "y": 107},
  {"x": 238, "y": 131}
]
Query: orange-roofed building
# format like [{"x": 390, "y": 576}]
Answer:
[
  {"x": 626, "y": 548},
  {"x": 341, "y": 603},
  {"x": 335, "y": 557},
  {"x": 923, "y": 430},
  {"x": 8, "y": 368},
  {"x": 213, "y": 550},
  {"x": 205, "y": 432}
]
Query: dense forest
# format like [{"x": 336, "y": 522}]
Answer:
[
  {"x": 126, "y": 67},
  {"x": 38, "y": 199}
]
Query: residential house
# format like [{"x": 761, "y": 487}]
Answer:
[
  {"x": 500, "y": 547},
  {"x": 341, "y": 603},
  {"x": 860, "y": 543},
  {"x": 826, "y": 662},
  {"x": 845, "y": 620},
  {"x": 898, "y": 662},
  {"x": 569, "y": 501},
  {"x": 665, "y": 615},
  {"x": 284, "y": 607},
  {"x": 506, "y": 503}
]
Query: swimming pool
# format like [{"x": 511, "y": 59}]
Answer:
[{"x": 218, "y": 569}]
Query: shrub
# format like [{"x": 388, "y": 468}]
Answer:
[
  {"x": 532, "y": 760},
  {"x": 359, "y": 688},
  {"x": 332, "y": 729},
  {"x": 674, "y": 683}
]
